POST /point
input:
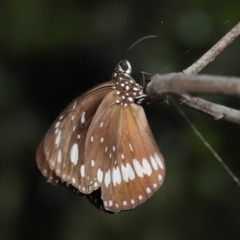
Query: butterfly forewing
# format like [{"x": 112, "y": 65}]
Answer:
[{"x": 62, "y": 149}]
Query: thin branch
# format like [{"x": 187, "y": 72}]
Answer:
[
  {"x": 217, "y": 111},
  {"x": 194, "y": 84},
  {"x": 155, "y": 87},
  {"x": 172, "y": 84},
  {"x": 210, "y": 55}
]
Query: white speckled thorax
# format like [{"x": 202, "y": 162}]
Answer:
[{"x": 127, "y": 90}]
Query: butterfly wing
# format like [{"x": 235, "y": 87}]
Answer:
[
  {"x": 61, "y": 153},
  {"x": 101, "y": 146},
  {"x": 123, "y": 158}
]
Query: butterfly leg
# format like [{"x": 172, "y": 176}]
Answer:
[
  {"x": 143, "y": 79},
  {"x": 143, "y": 83}
]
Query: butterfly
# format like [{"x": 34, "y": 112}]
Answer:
[{"x": 101, "y": 146}]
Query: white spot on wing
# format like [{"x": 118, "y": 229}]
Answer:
[
  {"x": 132, "y": 201},
  {"x": 59, "y": 156},
  {"x": 83, "y": 117},
  {"x": 127, "y": 172},
  {"x": 160, "y": 177},
  {"x": 91, "y": 139},
  {"x": 101, "y": 124},
  {"x": 74, "y": 154},
  {"x": 146, "y": 167},
  {"x": 122, "y": 156},
  {"x": 82, "y": 170},
  {"x": 102, "y": 139},
  {"x": 159, "y": 161},
  {"x": 99, "y": 175},
  {"x": 124, "y": 203},
  {"x": 154, "y": 164},
  {"x": 107, "y": 178},
  {"x": 131, "y": 173},
  {"x": 116, "y": 176},
  {"x": 148, "y": 190},
  {"x": 92, "y": 163},
  {"x": 57, "y": 124},
  {"x": 58, "y": 138},
  {"x": 138, "y": 168}
]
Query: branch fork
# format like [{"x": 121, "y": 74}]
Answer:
[{"x": 178, "y": 86}]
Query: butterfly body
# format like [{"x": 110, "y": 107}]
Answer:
[{"x": 101, "y": 146}]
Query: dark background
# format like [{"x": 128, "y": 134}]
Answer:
[{"x": 52, "y": 51}]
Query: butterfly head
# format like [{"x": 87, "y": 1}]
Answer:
[{"x": 123, "y": 68}]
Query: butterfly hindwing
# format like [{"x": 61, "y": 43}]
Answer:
[{"x": 131, "y": 166}]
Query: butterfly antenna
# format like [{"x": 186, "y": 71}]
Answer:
[
  {"x": 205, "y": 142},
  {"x": 143, "y": 38},
  {"x": 136, "y": 42}
]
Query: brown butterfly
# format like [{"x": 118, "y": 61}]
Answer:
[{"x": 101, "y": 146}]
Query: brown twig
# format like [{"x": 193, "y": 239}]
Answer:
[
  {"x": 193, "y": 84},
  {"x": 215, "y": 110},
  {"x": 210, "y": 55},
  {"x": 201, "y": 84}
]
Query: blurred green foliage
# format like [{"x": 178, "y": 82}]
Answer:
[{"x": 52, "y": 51}]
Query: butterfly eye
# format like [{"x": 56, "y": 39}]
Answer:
[
  {"x": 125, "y": 67},
  {"x": 101, "y": 146}
]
